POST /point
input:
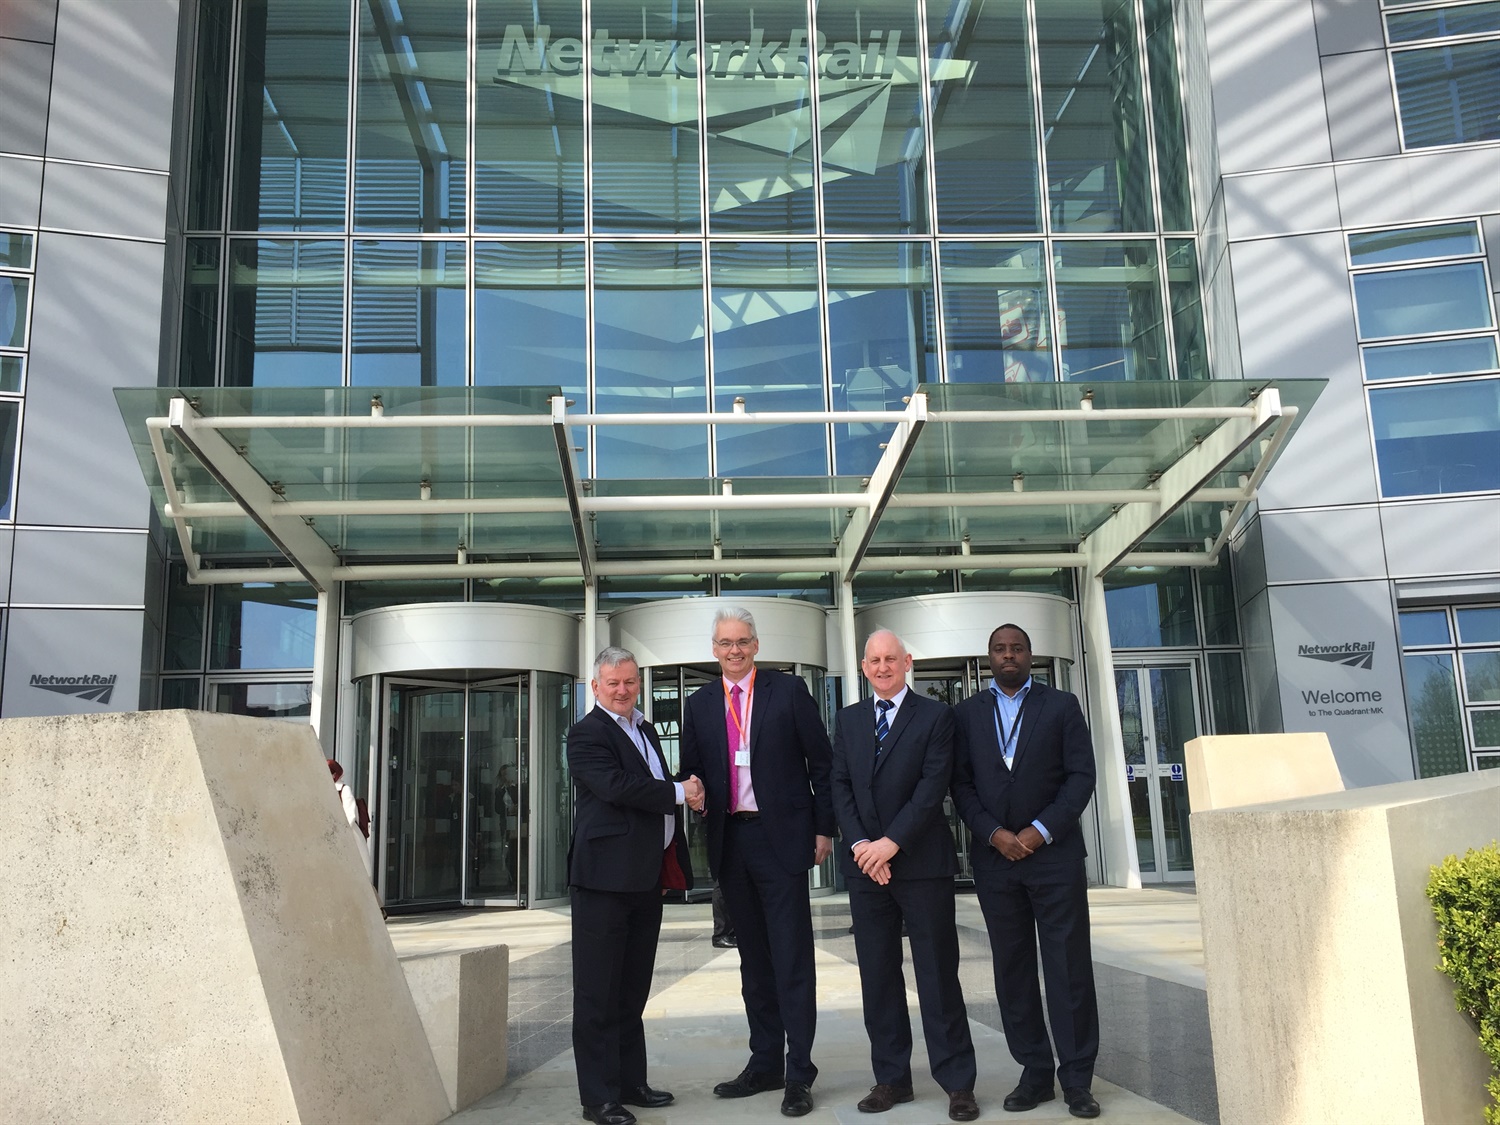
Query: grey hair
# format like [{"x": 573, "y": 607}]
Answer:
[
  {"x": 883, "y": 631},
  {"x": 734, "y": 614},
  {"x": 612, "y": 657}
]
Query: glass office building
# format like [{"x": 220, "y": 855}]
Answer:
[{"x": 458, "y": 338}]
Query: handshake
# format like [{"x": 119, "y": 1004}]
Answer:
[{"x": 693, "y": 793}]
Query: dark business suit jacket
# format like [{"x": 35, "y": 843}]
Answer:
[
  {"x": 901, "y": 794},
  {"x": 618, "y": 808},
  {"x": 1051, "y": 780},
  {"x": 790, "y": 760}
]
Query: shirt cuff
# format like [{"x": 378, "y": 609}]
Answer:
[
  {"x": 1042, "y": 828},
  {"x": 677, "y": 788},
  {"x": 857, "y": 843}
]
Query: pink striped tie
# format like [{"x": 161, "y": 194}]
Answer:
[{"x": 732, "y": 727}]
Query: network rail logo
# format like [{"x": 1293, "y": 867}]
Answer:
[
  {"x": 1351, "y": 654},
  {"x": 96, "y": 689}
]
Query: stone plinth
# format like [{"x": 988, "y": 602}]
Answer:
[
  {"x": 189, "y": 934},
  {"x": 1225, "y": 770},
  {"x": 1320, "y": 951},
  {"x": 463, "y": 999}
]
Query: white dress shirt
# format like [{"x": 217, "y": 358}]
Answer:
[{"x": 631, "y": 725}]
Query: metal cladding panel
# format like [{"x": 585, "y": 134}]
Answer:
[
  {"x": 113, "y": 201},
  {"x": 71, "y": 661},
  {"x": 681, "y": 631},
  {"x": 1442, "y": 537},
  {"x": 1322, "y": 545},
  {"x": 1347, "y": 25},
  {"x": 1452, "y": 182},
  {"x": 20, "y": 191},
  {"x": 1361, "y": 105},
  {"x": 78, "y": 567},
  {"x": 30, "y": 19},
  {"x": 1289, "y": 201},
  {"x": 1249, "y": 552},
  {"x": 113, "y": 80},
  {"x": 1268, "y": 93},
  {"x": 1296, "y": 313},
  {"x": 25, "y": 81},
  {"x": 946, "y": 626},
  {"x": 464, "y": 635},
  {"x": 95, "y": 325}
]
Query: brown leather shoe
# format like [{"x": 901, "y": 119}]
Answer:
[
  {"x": 962, "y": 1106},
  {"x": 882, "y": 1097}
]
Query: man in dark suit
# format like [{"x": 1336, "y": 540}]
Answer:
[
  {"x": 1023, "y": 772},
  {"x": 892, "y": 764},
  {"x": 628, "y": 846},
  {"x": 756, "y": 738}
]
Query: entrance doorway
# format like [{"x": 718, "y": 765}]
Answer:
[{"x": 1158, "y": 716}]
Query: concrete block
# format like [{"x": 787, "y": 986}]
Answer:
[
  {"x": 1226, "y": 770},
  {"x": 464, "y": 1001},
  {"x": 1320, "y": 954},
  {"x": 189, "y": 934}
]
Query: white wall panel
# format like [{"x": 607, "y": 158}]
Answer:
[
  {"x": 1433, "y": 184},
  {"x": 1442, "y": 537},
  {"x": 78, "y": 197},
  {"x": 1290, "y": 201},
  {"x": 1323, "y": 544}
]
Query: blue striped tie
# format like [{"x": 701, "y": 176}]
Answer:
[{"x": 882, "y": 727}]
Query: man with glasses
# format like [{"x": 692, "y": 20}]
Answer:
[{"x": 757, "y": 740}]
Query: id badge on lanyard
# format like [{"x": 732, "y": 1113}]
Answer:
[{"x": 742, "y": 728}]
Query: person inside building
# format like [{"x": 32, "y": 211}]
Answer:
[
  {"x": 1023, "y": 773},
  {"x": 892, "y": 764},
  {"x": 756, "y": 738}
]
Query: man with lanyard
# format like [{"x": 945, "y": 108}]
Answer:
[
  {"x": 1023, "y": 774},
  {"x": 757, "y": 740}
]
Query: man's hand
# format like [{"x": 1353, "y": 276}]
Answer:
[
  {"x": 823, "y": 848},
  {"x": 1012, "y": 846},
  {"x": 1030, "y": 838},
  {"x": 881, "y": 874},
  {"x": 875, "y": 854},
  {"x": 693, "y": 793}
]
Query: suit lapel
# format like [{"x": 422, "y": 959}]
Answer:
[
  {"x": 893, "y": 736},
  {"x": 1031, "y": 707},
  {"x": 762, "y": 694},
  {"x": 626, "y": 748}
]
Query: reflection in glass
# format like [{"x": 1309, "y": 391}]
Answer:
[
  {"x": 200, "y": 314},
  {"x": 292, "y": 106},
  {"x": 360, "y": 596},
  {"x": 1430, "y": 299},
  {"x": 645, "y": 116},
  {"x": 15, "y": 251},
  {"x": 870, "y": 116},
  {"x": 1432, "y": 708},
  {"x": 1478, "y": 626},
  {"x": 498, "y": 754},
  {"x": 1226, "y": 680},
  {"x": 1408, "y": 244},
  {"x": 424, "y": 829},
  {"x": 767, "y": 349},
  {"x": 210, "y": 115},
  {"x": 1093, "y": 116},
  {"x": 290, "y": 701},
  {"x": 1482, "y": 677},
  {"x": 12, "y": 372},
  {"x": 182, "y": 639},
  {"x": 880, "y": 306},
  {"x": 552, "y": 815},
  {"x": 1437, "y": 439},
  {"x": 531, "y": 316},
  {"x": 13, "y": 292},
  {"x": 178, "y": 693},
  {"x": 286, "y": 314},
  {"x": 528, "y": 117},
  {"x": 262, "y": 626},
  {"x": 1133, "y": 732},
  {"x": 760, "y": 143},
  {"x": 1189, "y": 334},
  {"x": 1215, "y": 587},
  {"x": 1462, "y": 19},
  {"x": 995, "y": 313},
  {"x": 649, "y": 357},
  {"x": 1175, "y": 721},
  {"x": 983, "y": 118},
  {"x": 1150, "y": 608},
  {"x": 1486, "y": 727},
  {"x": 410, "y": 134},
  {"x": 1425, "y": 627},
  {"x": 1448, "y": 95},
  {"x": 408, "y": 323},
  {"x": 1167, "y": 116},
  {"x": 1431, "y": 357},
  {"x": 10, "y": 420},
  {"x": 1109, "y": 311}
]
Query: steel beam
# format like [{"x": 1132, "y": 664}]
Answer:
[{"x": 860, "y": 530}]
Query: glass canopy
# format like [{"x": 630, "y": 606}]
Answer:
[{"x": 385, "y": 482}]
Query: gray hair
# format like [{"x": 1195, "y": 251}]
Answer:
[
  {"x": 612, "y": 657},
  {"x": 734, "y": 614},
  {"x": 882, "y": 631}
]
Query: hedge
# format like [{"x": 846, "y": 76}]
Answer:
[{"x": 1465, "y": 896}]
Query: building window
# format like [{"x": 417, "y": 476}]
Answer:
[
  {"x": 1427, "y": 337},
  {"x": 17, "y": 264},
  {"x": 1446, "y": 63},
  {"x": 1451, "y": 657}
]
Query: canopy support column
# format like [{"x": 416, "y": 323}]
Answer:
[
  {"x": 325, "y": 681},
  {"x": 590, "y": 640},
  {"x": 846, "y": 640},
  {"x": 1119, "y": 864}
]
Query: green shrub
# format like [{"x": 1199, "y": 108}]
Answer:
[{"x": 1465, "y": 896}]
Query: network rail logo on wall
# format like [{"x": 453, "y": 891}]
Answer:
[
  {"x": 1352, "y": 654},
  {"x": 95, "y": 688}
]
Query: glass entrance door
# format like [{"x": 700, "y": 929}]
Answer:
[
  {"x": 497, "y": 830},
  {"x": 1158, "y": 716}
]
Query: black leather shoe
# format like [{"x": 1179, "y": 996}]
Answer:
[
  {"x": 645, "y": 1097},
  {"x": 962, "y": 1106},
  {"x": 798, "y": 1100},
  {"x": 1024, "y": 1098},
  {"x": 608, "y": 1113},
  {"x": 749, "y": 1082},
  {"x": 725, "y": 943},
  {"x": 1081, "y": 1103},
  {"x": 883, "y": 1096}
]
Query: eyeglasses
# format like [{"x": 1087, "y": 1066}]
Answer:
[{"x": 734, "y": 646}]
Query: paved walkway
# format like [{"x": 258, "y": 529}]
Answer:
[{"x": 1155, "y": 1063}]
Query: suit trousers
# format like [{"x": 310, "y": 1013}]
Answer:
[
  {"x": 614, "y": 953},
  {"x": 927, "y": 906},
  {"x": 1033, "y": 903},
  {"x": 772, "y": 919}
]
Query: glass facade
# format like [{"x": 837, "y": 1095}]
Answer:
[{"x": 1451, "y": 660}]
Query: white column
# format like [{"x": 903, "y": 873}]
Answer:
[
  {"x": 846, "y": 641},
  {"x": 1119, "y": 864},
  {"x": 590, "y": 640},
  {"x": 325, "y": 681}
]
